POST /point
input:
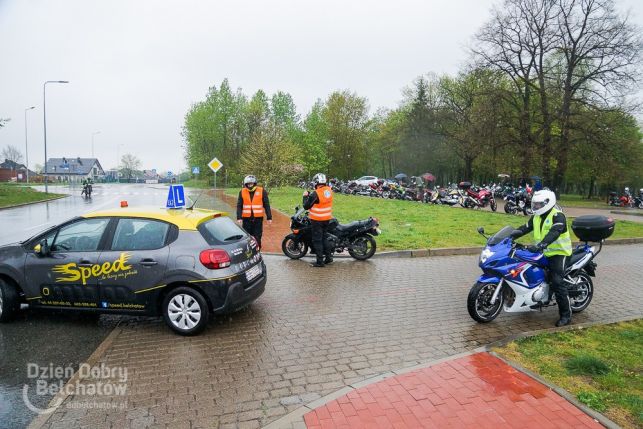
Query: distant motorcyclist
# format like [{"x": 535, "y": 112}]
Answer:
[
  {"x": 252, "y": 205},
  {"x": 320, "y": 206},
  {"x": 552, "y": 237}
]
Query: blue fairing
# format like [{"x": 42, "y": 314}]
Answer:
[
  {"x": 521, "y": 267},
  {"x": 488, "y": 279}
]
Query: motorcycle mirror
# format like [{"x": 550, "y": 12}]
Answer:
[{"x": 480, "y": 230}]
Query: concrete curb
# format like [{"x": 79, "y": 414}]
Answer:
[
  {"x": 58, "y": 400},
  {"x": 623, "y": 212},
  {"x": 297, "y": 415},
  {"x": 34, "y": 202},
  {"x": 452, "y": 251}
]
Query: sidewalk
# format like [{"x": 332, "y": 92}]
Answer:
[
  {"x": 273, "y": 234},
  {"x": 475, "y": 391}
]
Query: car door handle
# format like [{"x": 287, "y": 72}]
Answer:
[
  {"x": 148, "y": 262},
  {"x": 84, "y": 263}
]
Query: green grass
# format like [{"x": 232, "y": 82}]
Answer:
[
  {"x": 411, "y": 225},
  {"x": 11, "y": 195},
  {"x": 572, "y": 200},
  {"x": 601, "y": 365}
]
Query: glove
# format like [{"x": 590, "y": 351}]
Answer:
[
  {"x": 305, "y": 193},
  {"x": 535, "y": 248}
]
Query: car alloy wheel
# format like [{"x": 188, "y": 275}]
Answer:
[{"x": 186, "y": 311}]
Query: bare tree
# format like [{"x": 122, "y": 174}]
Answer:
[
  {"x": 600, "y": 54},
  {"x": 12, "y": 153},
  {"x": 3, "y": 121},
  {"x": 130, "y": 164}
]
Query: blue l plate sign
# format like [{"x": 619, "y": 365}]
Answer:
[{"x": 176, "y": 197}]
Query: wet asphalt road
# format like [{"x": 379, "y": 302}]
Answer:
[{"x": 60, "y": 339}]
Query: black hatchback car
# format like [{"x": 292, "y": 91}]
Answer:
[{"x": 182, "y": 264}]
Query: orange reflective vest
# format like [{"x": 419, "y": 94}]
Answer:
[
  {"x": 254, "y": 207},
  {"x": 323, "y": 210}
]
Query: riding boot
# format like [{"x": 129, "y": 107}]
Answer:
[
  {"x": 328, "y": 259},
  {"x": 319, "y": 262},
  {"x": 564, "y": 311}
]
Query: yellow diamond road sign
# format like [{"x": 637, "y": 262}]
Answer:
[{"x": 215, "y": 165}]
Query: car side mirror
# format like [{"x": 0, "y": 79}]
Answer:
[{"x": 42, "y": 249}]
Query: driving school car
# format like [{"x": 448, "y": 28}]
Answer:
[{"x": 182, "y": 264}]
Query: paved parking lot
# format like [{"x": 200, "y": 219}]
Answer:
[{"x": 315, "y": 331}]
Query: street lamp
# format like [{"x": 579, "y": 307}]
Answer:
[
  {"x": 44, "y": 119},
  {"x": 93, "y": 134},
  {"x": 26, "y": 144}
]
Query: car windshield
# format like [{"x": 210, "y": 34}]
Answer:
[
  {"x": 221, "y": 230},
  {"x": 500, "y": 235}
]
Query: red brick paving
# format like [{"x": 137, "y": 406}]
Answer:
[{"x": 476, "y": 391}]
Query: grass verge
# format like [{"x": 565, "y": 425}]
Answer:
[
  {"x": 571, "y": 200},
  {"x": 411, "y": 225},
  {"x": 14, "y": 195},
  {"x": 600, "y": 365}
]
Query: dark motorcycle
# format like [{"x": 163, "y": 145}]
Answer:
[
  {"x": 356, "y": 237},
  {"x": 87, "y": 190}
]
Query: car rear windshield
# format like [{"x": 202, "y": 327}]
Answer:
[{"x": 221, "y": 230}]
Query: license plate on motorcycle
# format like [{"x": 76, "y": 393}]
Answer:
[
  {"x": 379, "y": 231},
  {"x": 253, "y": 272}
]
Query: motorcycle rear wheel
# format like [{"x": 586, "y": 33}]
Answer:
[
  {"x": 493, "y": 205},
  {"x": 293, "y": 247},
  {"x": 363, "y": 247},
  {"x": 580, "y": 295},
  {"x": 478, "y": 302}
]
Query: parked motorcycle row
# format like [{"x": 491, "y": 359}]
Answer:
[
  {"x": 463, "y": 194},
  {"x": 626, "y": 199}
]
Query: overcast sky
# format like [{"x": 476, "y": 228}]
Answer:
[{"x": 135, "y": 66}]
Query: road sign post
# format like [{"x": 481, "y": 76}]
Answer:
[{"x": 215, "y": 165}]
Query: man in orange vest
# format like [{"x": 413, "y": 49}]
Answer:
[
  {"x": 320, "y": 211},
  {"x": 252, "y": 204}
]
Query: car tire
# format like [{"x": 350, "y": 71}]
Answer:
[
  {"x": 185, "y": 311},
  {"x": 9, "y": 301}
]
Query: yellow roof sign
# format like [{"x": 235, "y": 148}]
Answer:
[{"x": 215, "y": 165}]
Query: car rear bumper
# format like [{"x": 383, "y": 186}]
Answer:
[{"x": 241, "y": 293}]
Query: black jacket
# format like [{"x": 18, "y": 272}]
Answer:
[
  {"x": 559, "y": 226},
  {"x": 310, "y": 200},
  {"x": 266, "y": 204}
]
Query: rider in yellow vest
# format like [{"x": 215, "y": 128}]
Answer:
[
  {"x": 320, "y": 211},
  {"x": 552, "y": 237},
  {"x": 252, "y": 205}
]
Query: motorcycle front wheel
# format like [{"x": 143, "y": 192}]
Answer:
[
  {"x": 479, "y": 302},
  {"x": 363, "y": 247},
  {"x": 293, "y": 247}
]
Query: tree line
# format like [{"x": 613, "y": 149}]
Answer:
[{"x": 544, "y": 92}]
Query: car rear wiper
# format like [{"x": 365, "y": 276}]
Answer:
[{"x": 234, "y": 237}]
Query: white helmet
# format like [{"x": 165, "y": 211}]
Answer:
[
  {"x": 319, "y": 179},
  {"x": 543, "y": 201},
  {"x": 249, "y": 179}
]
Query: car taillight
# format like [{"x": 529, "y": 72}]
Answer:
[{"x": 215, "y": 259}]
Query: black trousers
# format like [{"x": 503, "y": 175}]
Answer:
[
  {"x": 254, "y": 227},
  {"x": 320, "y": 245},
  {"x": 557, "y": 277}
]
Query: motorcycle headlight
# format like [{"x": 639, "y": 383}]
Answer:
[{"x": 486, "y": 254}]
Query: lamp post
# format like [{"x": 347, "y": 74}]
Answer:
[
  {"x": 93, "y": 134},
  {"x": 26, "y": 142},
  {"x": 44, "y": 120}
]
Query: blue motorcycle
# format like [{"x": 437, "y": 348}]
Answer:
[{"x": 516, "y": 280}]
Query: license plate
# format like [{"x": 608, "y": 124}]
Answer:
[
  {"x": 253, "y": 272},
  {"x": 379, "y": 231}
]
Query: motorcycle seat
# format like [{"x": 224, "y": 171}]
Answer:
[
  {"x": 577, "y": 255},
  {"x": 353, "y": 225}
]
